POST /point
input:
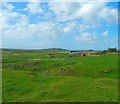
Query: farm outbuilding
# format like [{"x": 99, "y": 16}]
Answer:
[{"x": 78, "y": 53}]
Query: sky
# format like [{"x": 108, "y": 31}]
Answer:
[{"x": 68, "y": 25}]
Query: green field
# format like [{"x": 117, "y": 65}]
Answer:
[{"x": 35, "y": 76}]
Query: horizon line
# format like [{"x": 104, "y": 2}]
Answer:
[{"x": 52, "y": 49}]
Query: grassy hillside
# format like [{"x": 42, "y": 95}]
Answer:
[{"x": 54, "y": 76}]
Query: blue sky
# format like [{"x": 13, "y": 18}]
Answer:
[{"x": 68, "y": 25}]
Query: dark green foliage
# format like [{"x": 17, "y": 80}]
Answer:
[{"x": 112, "y": 50}]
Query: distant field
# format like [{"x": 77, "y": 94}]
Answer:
[{"x": 54, "y": 76}]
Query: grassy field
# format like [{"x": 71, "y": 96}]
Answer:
[{"x": 36, "y": 76}]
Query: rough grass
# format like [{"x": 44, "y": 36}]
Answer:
[{"x": 82, "y": 80}]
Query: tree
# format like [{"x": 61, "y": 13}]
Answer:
[{"x": 112, "y": 49}]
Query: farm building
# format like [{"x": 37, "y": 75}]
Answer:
[
  {"x": 81, "y": 53},
  {"x": 78, "y": 53},
  {"x": 75, "y": 53}
]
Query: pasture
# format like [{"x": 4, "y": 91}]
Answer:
[{"x": 54, "y": 76}]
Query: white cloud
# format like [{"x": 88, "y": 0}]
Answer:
[
  {"x": 70, "y": 27},
  {"x": 67, "y": 30},
  {"x": 91, "y": 12},
  {"x": 74, "y": 26},
  {"x": 34, "y": 0},
  {"x": 109, "y": 14},
  {"x": 106, "y": 33},
  {"x": 8, "y": 18},
  {"x": 44, "y": 29},
  {"x": 64, "y": 10},
  {"x": 85, "y": 1},
  {"x": 41, "y": 30},
  {"x": 8, "y": 6},
  {"x": 87, "y": 37},
  {"x": 34, "y": 7},
  {"x": 16, "y": 25}
]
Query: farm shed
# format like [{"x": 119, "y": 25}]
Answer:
[{"x": 78, "y": 53}]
